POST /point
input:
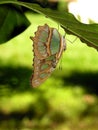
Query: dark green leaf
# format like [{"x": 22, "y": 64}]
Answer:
[{"x": 12, "y": 22}]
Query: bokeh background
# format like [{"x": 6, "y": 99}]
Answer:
[{"x": 67, "y": 100}]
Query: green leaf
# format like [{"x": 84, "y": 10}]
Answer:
[
  {"x": 87, "y": 33},
  {"x": 12, "y": 22}
]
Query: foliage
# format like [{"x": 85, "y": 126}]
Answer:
[
  {"x": 12, "y": 22},
  {"x": 86, "y": 33},
  {"x": 68, "y": 100}
]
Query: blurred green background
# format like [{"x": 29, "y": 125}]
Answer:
[{"x": 68, "y": 100}]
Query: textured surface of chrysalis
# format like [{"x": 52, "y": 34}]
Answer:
[{"x": 48, "y": 46}]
